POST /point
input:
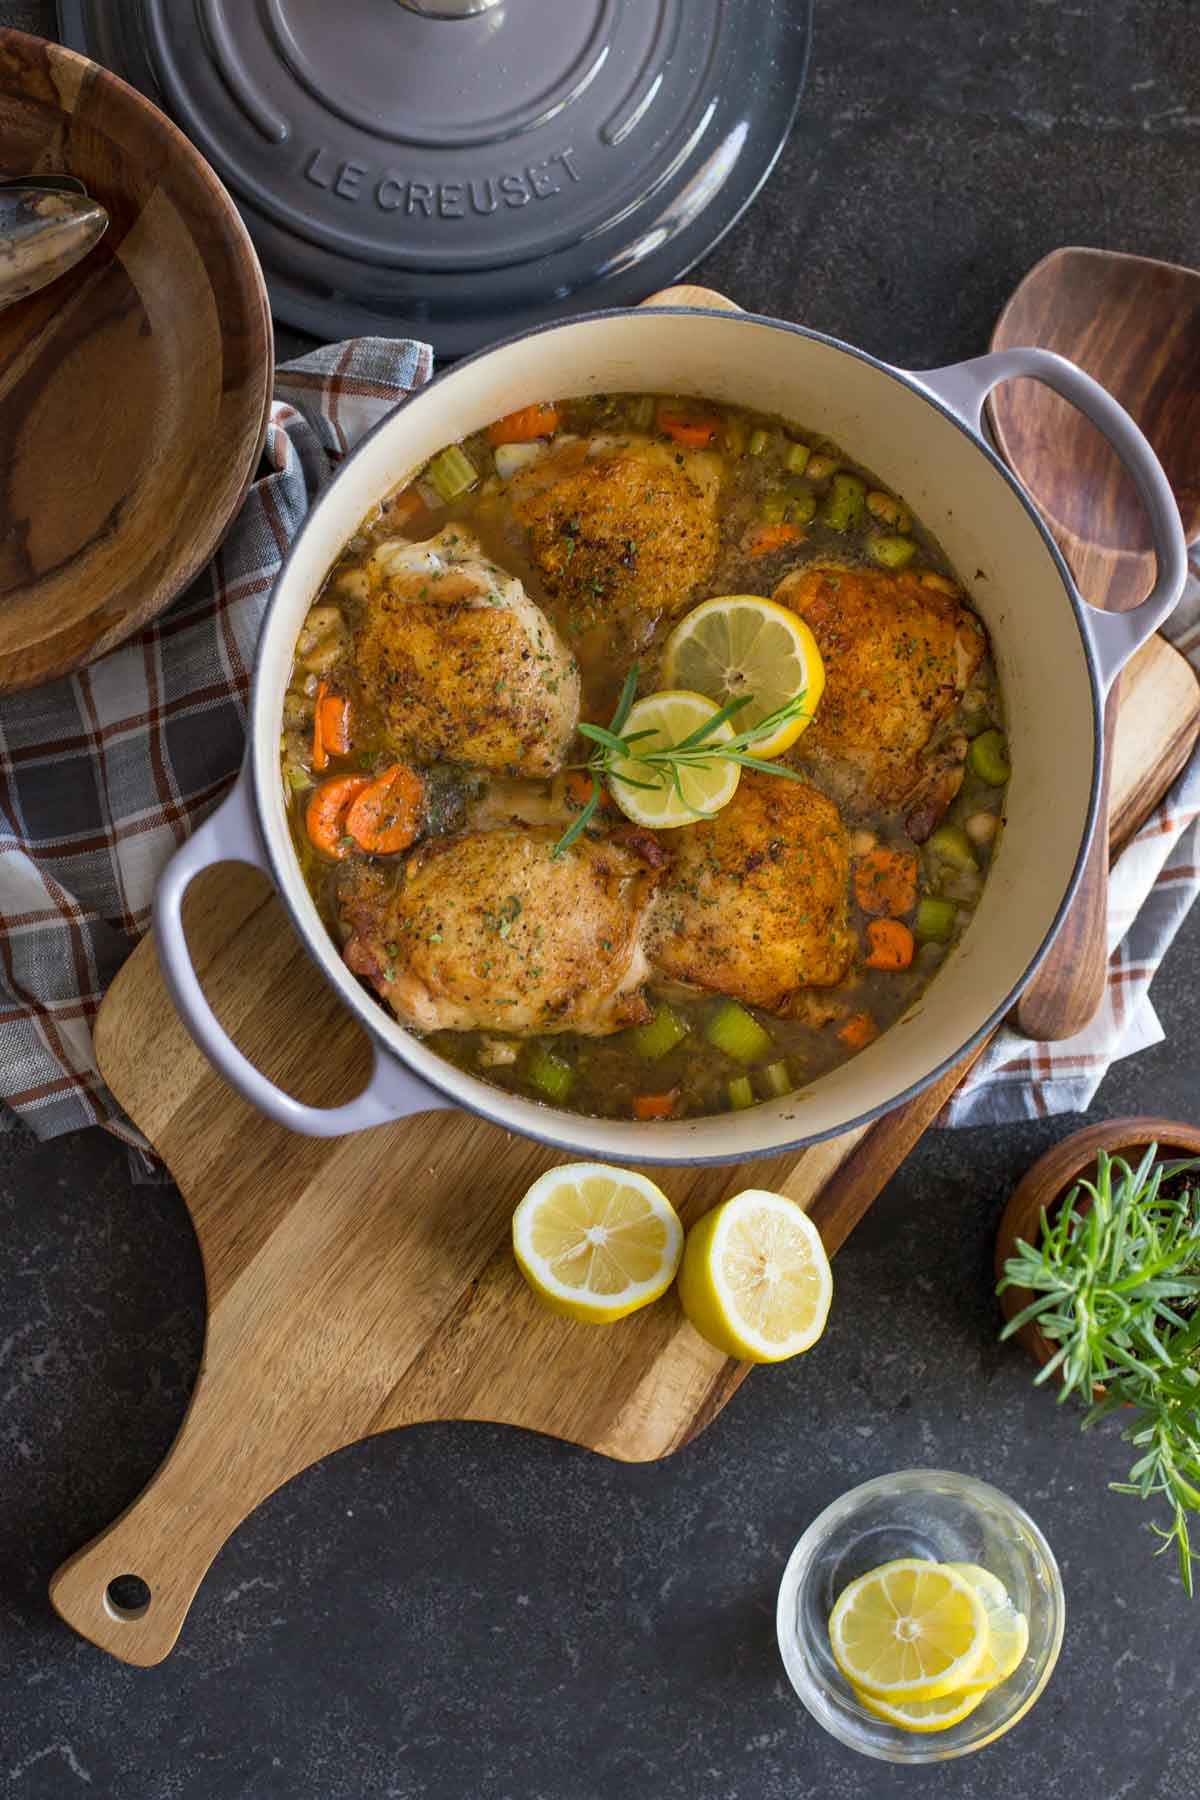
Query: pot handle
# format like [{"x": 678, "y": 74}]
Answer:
[
  {"x": 231, "y": 835},
  {"x": 963, "y": 388}
]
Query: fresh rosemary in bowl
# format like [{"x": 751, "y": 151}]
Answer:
[{"x": 1115, "y": 1286}]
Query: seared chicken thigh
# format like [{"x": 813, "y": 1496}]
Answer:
[
  {"x": 898, "y": 655},
  {"x": 754, "y": 902},
  {"x": 491, "y": 931},
  {"x": 460, "y": 662},
  {"x": 620, "y": 527}
]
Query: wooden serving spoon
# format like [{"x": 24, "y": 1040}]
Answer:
[{"x": 1133, "y": 324}]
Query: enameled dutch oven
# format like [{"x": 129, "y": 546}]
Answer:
[{"x": 920, "y": 433}]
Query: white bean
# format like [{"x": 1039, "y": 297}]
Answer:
[
  {"x": 862, "y": 843},
  {"x": 322, "y": 639},
  {"x": 981, "y": 827}
]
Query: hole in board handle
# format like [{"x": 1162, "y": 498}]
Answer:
[{"x": 127, "y": 1599}]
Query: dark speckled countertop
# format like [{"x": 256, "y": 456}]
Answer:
[{"x": 468, "y": 1613}]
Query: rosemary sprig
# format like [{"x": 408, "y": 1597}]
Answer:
[
  {"x": 667, "y": 762},
  {"x": 1116, "y": 1284}
]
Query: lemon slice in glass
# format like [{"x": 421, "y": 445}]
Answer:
[
  {"x": 647, "y": 794},
  {"x": 595, "y": 1242},
  {"x": 922, "y": 1715},
  {"x": 755, "y": 1280},
  {"x": 1008, "y": 1628},
  {"x": 741, "y": 644},
  {"x": 909, "y": 1630}
]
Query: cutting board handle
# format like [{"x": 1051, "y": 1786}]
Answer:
[{"x": 167, "y": 1537}]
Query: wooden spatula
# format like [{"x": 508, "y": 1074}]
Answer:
[{"x": 1133, "y": 324}]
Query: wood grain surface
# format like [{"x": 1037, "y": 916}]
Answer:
[
  {"x": 1133, "y": 324},
  {"x": 133, "y": 390},
  {"x": 360, "y": 1284}
]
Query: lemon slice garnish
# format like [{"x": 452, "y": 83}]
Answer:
[
  {"x": 595, "y": 1242},
  {"x": 909, "y": 1630},
  {"x": 922, "y": 1715},
  {"x": 741, "y": 644},
  {"x": 647, "y": 794},
  {"x": 1008, "y": 1628},
  {"x": 755, "y": 1279}
]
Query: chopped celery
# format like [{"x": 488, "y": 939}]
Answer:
[
  {"x": 797, "y": 458},
  {"x": 892, "y": 552},
  {"x": 803, "y": 506},
  {"x": 935, "y": 920},
  {"x": 758, "y": 442},
  {"x": 300, "y": 779},
  {"x": 741, "y": 1094},
  {"x": 774, "y": 507},
  {"x": 846, "y": 503},
  {"x": 641, "y": 413},
  {"x": 451, "y": 473},
  {"x": 777, "y": 1078},
  {"x": 952, "y": 844},
  {"x": 660, "y": 1034},
  {"x": 550, "y": 1074},
  {"x": 987, "y": 756},
  {"x": 736, "y": 1032},
  {"x": 821, "y": 466}
]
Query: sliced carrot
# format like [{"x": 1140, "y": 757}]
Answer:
[
  {"x": 527, "y": 423},
  {"x": 325, "y": 814},
  {"x": 320, "y": 759},
  {"x": 885, "y": 881},
  {"x": 578, "y": 786},
  {"x": 655, "y": 1106},
  {"x": 858, "y": 1031},
  {"x": 386, "y": 813},
  {"x": 765, "y": 538},
  {"x": 694, "y": 430},
  {"x": 889, "y": 944},
  {"x": 333, "y": 713},
  {"x": 402, "y": 506}
]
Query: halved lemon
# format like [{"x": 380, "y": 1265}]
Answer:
[
  {"x": 922, "y": 1715},
  {"x": 595, "y": 1242},
  {"x": 909, "y": 1630},
  {"x": 740, "y": 644},
  {"x": 1008, "y": 1628},
  {"x": 755, "y": 1280},
  {"x": 646, "y": 793}
]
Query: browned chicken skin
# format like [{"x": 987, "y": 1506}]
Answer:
[
  {"x": 620, "y": 529},
  {"x": 898, "y": 655},
  {"x": 490, "y": 931},
  {"x": 460, "y": 662},
  {"x": 754, "y": 902}
]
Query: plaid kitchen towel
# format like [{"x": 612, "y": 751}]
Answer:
[{"x": 103, "y": 775}]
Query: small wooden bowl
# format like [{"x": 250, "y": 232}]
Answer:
[
  {"x": 134, "y": 390},
  {"x": 1048, "y": 1182}
]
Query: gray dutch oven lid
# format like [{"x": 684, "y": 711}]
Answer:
[{"x": 458, "y": 169}]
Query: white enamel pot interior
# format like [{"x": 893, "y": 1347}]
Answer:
[{"x": 1051, "y": 670}]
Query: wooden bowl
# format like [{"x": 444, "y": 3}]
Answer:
[
  {"x": 134, "y": 390},
  {"x": 1048, "y": 1182}
]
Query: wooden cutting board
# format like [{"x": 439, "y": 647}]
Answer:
[{"x": 359, "y": 1284}]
